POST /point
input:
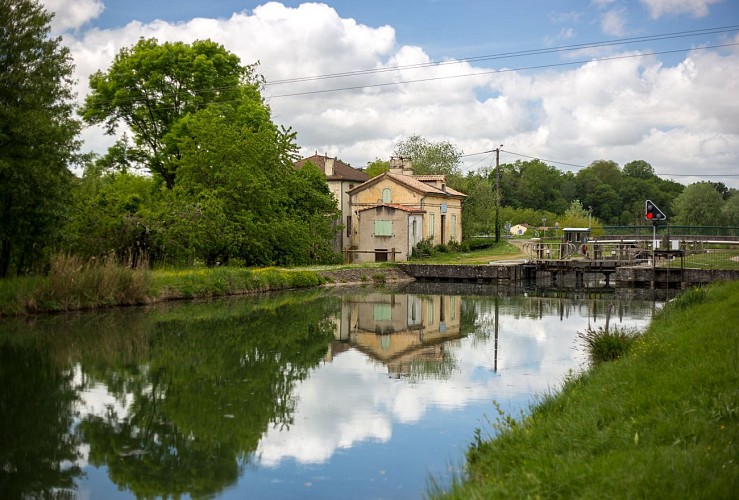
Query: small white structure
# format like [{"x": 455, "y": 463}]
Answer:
[{"x": 519, "y": 229}]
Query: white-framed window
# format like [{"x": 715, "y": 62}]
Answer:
[
  {"x": 454, "y": 227},
  {"x": 386, "y": 195},
  {"x": 432, "y": 224},
  {"x": 383, "y": 228}
]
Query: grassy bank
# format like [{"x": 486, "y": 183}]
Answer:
[
  {"x": 662, "y": 421},
  {"x": 72, "y": 284}
]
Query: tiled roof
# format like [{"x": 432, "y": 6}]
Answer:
[
  {"x": 342, "y": 171},
  {"x": 413, "y": 183}
]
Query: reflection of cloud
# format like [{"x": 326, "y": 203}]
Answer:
[
  {"x": 96, "y": 400},
  {"x": 353, "y": 400}
]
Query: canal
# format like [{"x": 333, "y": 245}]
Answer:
[{"x": 327, "y": 393}]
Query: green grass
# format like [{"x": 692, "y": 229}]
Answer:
[
  {"x": 501, "y": 251},
  {"x": 73, "y": 284},
  {"x": 660, "y": 422}
]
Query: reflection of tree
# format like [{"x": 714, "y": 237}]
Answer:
[
  {"x": 35, "y": 417},
  {"x": 213, "y": 381}
]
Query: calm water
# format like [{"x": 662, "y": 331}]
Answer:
[{"x": 348, "y": 393}]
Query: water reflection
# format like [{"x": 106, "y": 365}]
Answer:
[{"x": 237, "y": 397}]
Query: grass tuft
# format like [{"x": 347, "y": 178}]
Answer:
[{"x": 603, "y": 344}]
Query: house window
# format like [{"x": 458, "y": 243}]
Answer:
[
  {"x": 454, "y": 227},
  {"x": 386, "y": 195},
  {"x": 348, "y": 226},
  {"x": 432, "y": 224},
  {"x": 383, "y": 228}
]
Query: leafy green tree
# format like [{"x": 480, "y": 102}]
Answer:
[
  {"x": 606, "y": 203},
  {"x": 699, "y": 205},
  {"x": 238, "y": 195},
  {"x": 532, "y": 184},
  {"x": 38, "y": 135},
  {"x": 730, "y": 210},
  {"x": 108, "y": 215},
  {"x": 377, "y": 167},
  {"x": 638, "y": 169},
  {"x": 478, "y": 210},
  {"x": 151, "y": 87},
  {"x": 428, "y": 157}
]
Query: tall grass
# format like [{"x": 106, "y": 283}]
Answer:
[
  {"x": 73, "y": 283},
  {"x": 607, "y": 344}
]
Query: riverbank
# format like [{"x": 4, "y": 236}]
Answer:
[
  {"x": 660, "y": 422},
  {"x": 72, "y": 286}
]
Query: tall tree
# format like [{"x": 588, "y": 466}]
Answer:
[
  {"x": 428, "y": 157},
  {"x": 151, "y": 87},
  {"x": 699, "y": 205},
  {"x": 638, "y": 169},
  {"x": 37, "y": 134}
]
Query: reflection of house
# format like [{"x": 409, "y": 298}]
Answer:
[
  {"x": 399, "y": 329},
  {"x": 392, "y": 212},
  {"x": 340, "y": 177}
]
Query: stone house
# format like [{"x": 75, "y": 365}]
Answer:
[
  {"x": 393, "y": 212},
  {"x": 340, "y": 177}
]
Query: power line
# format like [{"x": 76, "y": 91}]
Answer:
[
  {"x": 508, "y": 55},
  {"x": 564, "y": 48},
  {"x": 586, "y": 166},
  {"x": 497, "y": 71}
]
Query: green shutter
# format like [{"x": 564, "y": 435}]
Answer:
[{"x": 383, "y": 228}]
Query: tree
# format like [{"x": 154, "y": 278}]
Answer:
[
  {"x": 151, "y": 87},
  {"x": 239, "y": 196},
  {"x": 38, "y": 135},
  {"x": 377, "y": 167},
  {"x": 428, "y": 157},
  {"x": 699, "y": 205},
  {"x": 730, "y": 210},
  {"x": 638, "y": 169}
]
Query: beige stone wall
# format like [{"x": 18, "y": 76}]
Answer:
[{"x": 367, "y": 240}]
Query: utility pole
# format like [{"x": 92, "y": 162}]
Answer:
[{"x": 497, "y": 193}]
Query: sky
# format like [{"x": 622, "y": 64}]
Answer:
[{"x": 565, "y": 81}]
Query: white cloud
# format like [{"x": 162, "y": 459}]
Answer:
[
  {"x": 613, "y": 22},
  {"x": 72, "y": 14},
  {"x": 620, "y": 110},
  {"x": 695, "y": 8}
]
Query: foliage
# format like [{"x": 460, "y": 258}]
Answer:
[
  {"x": 109, "y": 215},
  {"x": 428, "y": 157},
  {"x": 37, "y": 136},
  {"x": 699, "y": 205},
  {"x": 151, "y": 87},
  {"x": 377, "y": 167}
]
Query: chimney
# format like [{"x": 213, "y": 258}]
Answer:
[
  {"x": 407, "y": 166},
  {"x": 328, "y": 166},
  {"x": 396, "y": 165}
]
